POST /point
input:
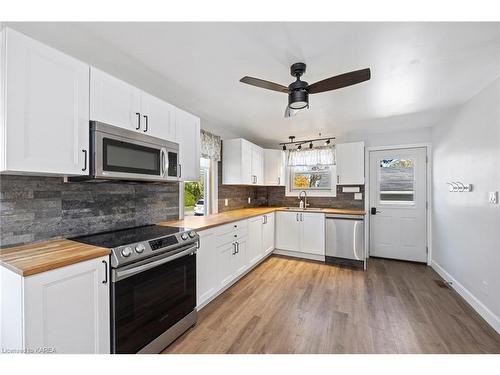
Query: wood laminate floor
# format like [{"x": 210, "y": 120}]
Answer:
[{"x": 294, "y": 306}]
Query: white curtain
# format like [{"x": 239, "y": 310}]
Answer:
[{"x": 316, "y": 156}]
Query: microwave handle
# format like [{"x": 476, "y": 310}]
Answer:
[{"x": 163, "y": 169}]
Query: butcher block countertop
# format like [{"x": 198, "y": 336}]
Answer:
[
  {"x": 39, "y": 257},
  {"x": 210, "y": 221}
]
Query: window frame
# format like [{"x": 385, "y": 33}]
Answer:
[{"x": 332, "y": 192}]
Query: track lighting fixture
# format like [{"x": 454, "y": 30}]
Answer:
[{"x": 299, "y": 144}]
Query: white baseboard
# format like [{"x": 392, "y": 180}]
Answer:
[{"x": 471, "y": 299}]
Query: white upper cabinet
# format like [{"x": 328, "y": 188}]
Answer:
[
  {"x": 274, "y": 167},
  {"x": 45, "y": 109},
  {"x": 188, "y": 127},
  {"x": 350, "y": 159},
  {"x": 242, "y": 163},
  {"x": 158, "y": 118},
  {"x": 114, "y": 102}
]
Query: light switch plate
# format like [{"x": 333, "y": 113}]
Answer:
[
  {"x": 249, "y": 200},
  {"x": 358, "y": 196},
  {"x": 493, "y": 197},
  {"x": 226, "y": 202}
]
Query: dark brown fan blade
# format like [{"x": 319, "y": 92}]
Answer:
[
  {"x": 337, "y": 82},
  {"x": 264, "y": 84}
]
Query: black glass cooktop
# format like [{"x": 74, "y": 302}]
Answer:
[{"x": 128, "y": 236}]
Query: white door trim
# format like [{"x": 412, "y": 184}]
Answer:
[{"x": 428, "y": 148}]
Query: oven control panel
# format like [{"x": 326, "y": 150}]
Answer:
[{"x": 126, "y": 254}]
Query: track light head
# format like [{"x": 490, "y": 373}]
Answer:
[
  {"x": 284, "y": 147},
  {"x": 311, "y": 145},
  {"x": 299, "y": 147},
  {"x": 327, "y": 142}
]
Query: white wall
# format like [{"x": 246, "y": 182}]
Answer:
[{"x": 466, "y": 228}]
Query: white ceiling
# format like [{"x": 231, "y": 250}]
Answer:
[{"x": 419, "y": 70}]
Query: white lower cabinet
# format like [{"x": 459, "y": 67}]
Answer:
[
  {"x": 268, "y": 234},
  {"x": 65, "y": 310},
  {"x": 206, "y": 281},
  {"x": 260, "y": 237},
  {"x": 255, "y": 246},
  {"x": 288, "y": 231},
  {"x": 301, "y": 233}
]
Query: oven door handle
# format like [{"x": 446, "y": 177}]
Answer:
[{"x": 120, "y": 275}]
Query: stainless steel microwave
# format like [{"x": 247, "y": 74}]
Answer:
[{"x": 121, "y": 154}]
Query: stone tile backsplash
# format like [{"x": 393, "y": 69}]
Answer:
[
  {"x": 40, "y": 208},
  {"x": 237, "y": 196}
]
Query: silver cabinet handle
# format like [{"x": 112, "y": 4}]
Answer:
[
  {"x": 180, "y": 170},
  {"x": 146, "y": 118},
  {"x": 279, "y": 180},
  {"x": 234, "y": 248},
  {"x": 105, "y": 281},
  {"x": 138, "y": 121},
  {"x": 338, "y": 179},
  {"x": 301, "y": 217},
  {"x": 237, "y": 247},
  {"x": 297, "y": 216}
]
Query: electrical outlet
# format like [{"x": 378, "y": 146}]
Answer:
[
  {"x": 249, "y": 200},
  {"x": 493, "y": 197},
  {"x": 226, "y": 202},
  {"x": 358, "y": 196}
]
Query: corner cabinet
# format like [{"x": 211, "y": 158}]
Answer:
[
  {"x": 65, "y": 310},
  {"x": 242, "y": 163},
  {"x": 45, "y": 109},
  {"x": 350, "y": 159}
]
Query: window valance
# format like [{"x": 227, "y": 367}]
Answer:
[{"x": 310, "y": 157}]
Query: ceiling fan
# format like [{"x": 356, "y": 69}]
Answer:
[{"x": 298, "y": 91}]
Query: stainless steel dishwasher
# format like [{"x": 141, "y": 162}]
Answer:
[{"x": 345, "y": 243}]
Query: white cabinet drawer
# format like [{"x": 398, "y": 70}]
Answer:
[{"x": 227, "y": 228}]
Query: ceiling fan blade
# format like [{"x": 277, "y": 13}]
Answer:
[
  {"x": 264, "y": 84},
  {"x": 342, "y": 80}
]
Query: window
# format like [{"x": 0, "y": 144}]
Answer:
[
  {"x": 397, "y": 181},
  {"x": 315, "y": 180},
  {"x": 196, "y": 193}
]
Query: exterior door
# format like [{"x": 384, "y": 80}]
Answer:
[{"x": 398, "y": 201}]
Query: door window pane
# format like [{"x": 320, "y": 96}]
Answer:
[{"x": 397, "y": 181}]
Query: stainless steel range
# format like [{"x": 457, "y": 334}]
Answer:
[{"x": 153, "y": 285}]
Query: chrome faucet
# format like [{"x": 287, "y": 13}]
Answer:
[{"x": 305, "y": 198}]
